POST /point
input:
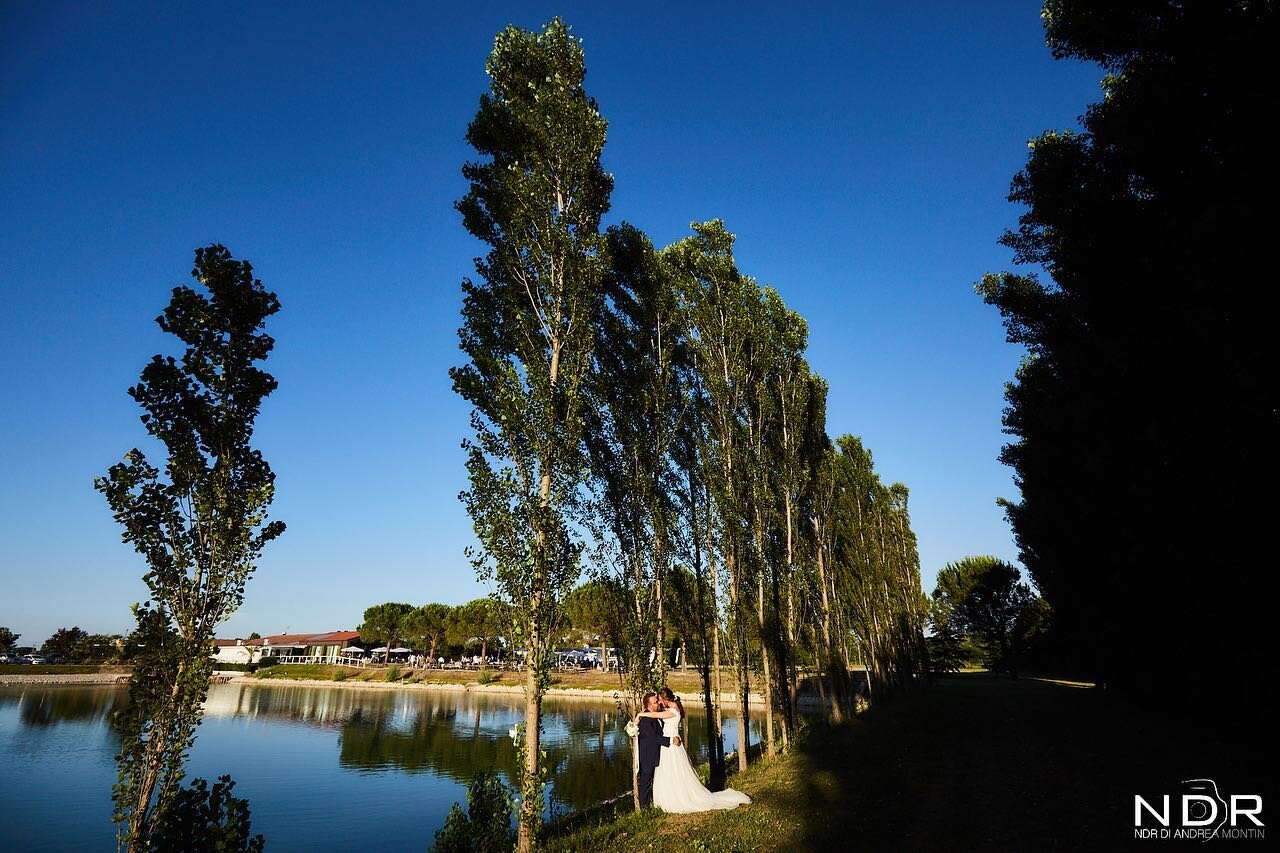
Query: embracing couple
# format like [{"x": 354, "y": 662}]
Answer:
[{"x": 667, "y": 778}]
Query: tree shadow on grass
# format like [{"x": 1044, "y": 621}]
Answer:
[{"x": 984, "y": 763}]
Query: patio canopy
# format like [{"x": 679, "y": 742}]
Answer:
[
  {"x": 353, "y": 649},
  {"x": 378, "y": 651},
  {"x": 401, "y": 651}
]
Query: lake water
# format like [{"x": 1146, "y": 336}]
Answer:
[{"x": 322, "y": 768}]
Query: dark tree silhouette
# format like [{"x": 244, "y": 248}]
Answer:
[{"x": 1144, "y": 418}]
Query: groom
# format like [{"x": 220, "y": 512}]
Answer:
[{"x": 650, "y": 743}]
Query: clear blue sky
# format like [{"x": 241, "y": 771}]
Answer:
[{"x": 860, "y": 151}]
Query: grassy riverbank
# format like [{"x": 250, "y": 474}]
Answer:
[
  {"x": 974, "y": 763},
  {"x": 605, "y": 682}
]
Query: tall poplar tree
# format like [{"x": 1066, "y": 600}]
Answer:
[
  {"x": 1145, "y": 420},
  {"x": 720, "y": 305},
  {"x": 201, "y": 525},
  {"x": 536, "y": 198},
  {"x": 637, "y": 404},
  {"x": 792, "y": 385}
]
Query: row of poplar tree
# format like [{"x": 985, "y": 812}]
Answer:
[
  {"x": 637, "y": 409},
  {"x": 647, "y": 414}
]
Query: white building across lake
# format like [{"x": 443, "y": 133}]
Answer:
[{"x": 327, "y": 647}]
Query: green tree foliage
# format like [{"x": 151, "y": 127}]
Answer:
[
  {"x": 631, "y": 426},
  {"x": 641, "y": 411},
  {"x": 722, "y": 315},
  {"x": 201, "y": 525},
  {"x": 200, "y": 820},
  {"x": 8, "y": 639},
  {"x": 427, "y": 626},
  {"x": 679, "y": 386},
  {"x": 485, "y": 827},
  {"x": 598, "y": 609},
  {"x": 874, "y": 571},
  {"x": 386, "y": 624},
  {"x": 100, "y": 648},
  {"x": 64, "y": 641},
  {"x": 947, "y": 653},
  {"x": 984, "y": 598},
  {"x": 683, "y": 615},
  {"x": 1144, "y": 417},
  {"x": 479, "y": 621},
  {"x": 536, "y": 198}
]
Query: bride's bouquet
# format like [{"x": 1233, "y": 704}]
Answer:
[{"x": 632, "y": 728}]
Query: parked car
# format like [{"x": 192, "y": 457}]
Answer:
[
  {"x": 56, "y": 658},
  {"x": 10, "y": 657},
  {"x": 38, "y": 660}
]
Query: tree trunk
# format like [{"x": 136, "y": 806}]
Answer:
[
  {"x": 817, "y": 661},
  {"x": 719, "y": 693},
  {"x": 770, "y": 748},
  {"x": 837, "y": 705},
  {"x": 530, "y": 813},
  {"x": 744, "y": 718},
  {"x": 744, "y": 679},
  {"x": 161, "y": 731},
  {"x": 660, "y": 651},
  {"x": 635, "y": 772},
  {"x": 710, "y": 656}
]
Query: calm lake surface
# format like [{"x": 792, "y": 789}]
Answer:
[{"x": 322, "y": 768}]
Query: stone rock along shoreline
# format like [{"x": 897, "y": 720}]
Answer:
[{"x": 70, "y": 678}]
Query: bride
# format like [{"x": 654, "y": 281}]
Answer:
[{"x": 676, "y": 787}]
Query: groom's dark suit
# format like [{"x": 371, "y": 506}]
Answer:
[{"x": 650, "y": 743}]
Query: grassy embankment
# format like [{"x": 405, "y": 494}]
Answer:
[{"x": 974, "y": 763}]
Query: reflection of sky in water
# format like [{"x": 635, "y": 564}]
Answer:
[{"x": 323, "y": 768}]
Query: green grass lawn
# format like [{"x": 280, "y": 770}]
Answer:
[{"x": 973, "y": 763}]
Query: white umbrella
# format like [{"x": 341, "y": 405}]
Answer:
[
  {"x": 353, "y": 649},
  {"x": 378, "y": 651},
  {"x": 401, "y": 651}
]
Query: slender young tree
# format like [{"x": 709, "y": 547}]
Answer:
[
  {"x": 720, "y": 305},
  {"x": 536, "y": 198},
  {"x": 695, "y": 544},
  {"x": 792, "y": 385},
  {"x": 632, "y": 423},
  {"x": 201, "y": 525}
]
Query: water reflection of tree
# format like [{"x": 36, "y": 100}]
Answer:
[
  {"x": 61, "y": 705},
  {"x": 587, "y": 755},
  {"x": 369, "y": 741},
  {"x": 456, "y": 734}
]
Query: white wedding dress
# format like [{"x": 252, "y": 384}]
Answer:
[{"x": 676, "y": 787}]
